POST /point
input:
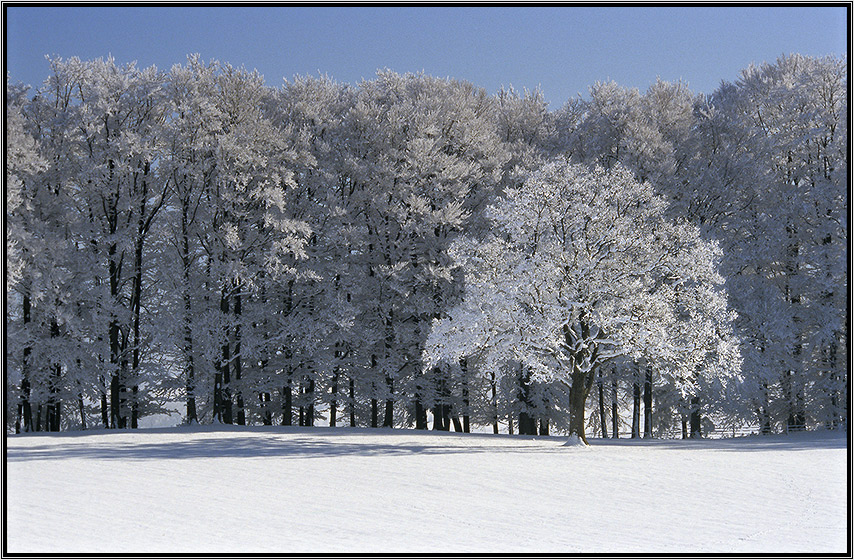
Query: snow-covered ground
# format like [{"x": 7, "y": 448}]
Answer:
[{"x": 275, "y": 489}]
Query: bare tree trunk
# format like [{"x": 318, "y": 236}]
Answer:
[
  {"x": 352, "y": 403},
  {"x": 225, "y": 363},
  {"x": 647, "y": 403},
  {"x": 114, "y": 260},
  {"x": 420, "y": 411},
  {"x": 636, "y": 397},
  {"x": 80, "y": 405},
  {"x": 136, "y": 306},
  {"x": 466, "y": 403},
  {"x": 375, "y": 413},
  {"x": 238, "y": 358},
  {"x": 582, "y": 382},
  {"x": 54, "y": 404},
  {"x": 116, "y": 381},
  {"x": 696, "y": 427},
  {"x": 762, "y": 413},
  {"x": 333, "y": 403},
  {"x": 615, "y": 416},
  {"x": 494, "y": 386},
  {"x": 25, "y": 410},
  {"x": 39, "y": 418},
  {"x": 388, "y": 417},
  {"x": 602, "y": 420},
  {"x": 189, "y": 363},
  {"x": 441, "y": 410},
  {"x": 105, "y": 409},
  {"x": 287, "y": 401},
  {"x": 266, "y": 413},
  {"x": 527, "y": 423}
]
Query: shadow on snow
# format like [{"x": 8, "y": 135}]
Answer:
[{"x": 306, "y": 443}]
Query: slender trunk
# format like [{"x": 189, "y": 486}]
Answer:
[
  {"x": 445, "y": 393},
  {"x": 225, "y": 363},
  {"x": 636, "y": 397},
  {"x": 54, "y": 405},
  {"x": 352, "y": 403},
  {"x": 764, "y": 416},
  {"x": 217, "y": 397},
  {"x": 440, "y": 413},
  {"x": 287, "y": 402},
  {"x": 600, "y": 384},
  {"x": 136, "y": 306},
  {"x": 115, "y": 348},
  {"x": 388, "y": 417},
  {"x": 647, "y": 403},
  {"x": 374, "y": 404},
  {"x": 25, "y": 410},
  {"x": 301, "y": 392},
  {"x": 114, "y": 269},
  {"x": 266, "y": 413},
  {"x": 340, "y": 354},
  {"x": 287, "y": 351},
  {"x": 309, "y": 410},
  {"x": 105, "y": 409},
  {"x": 494, "y": 387},
  {"x": 238, "y": 359},
  {"x": 792, "y": 378},
  {"x": 144, "y": 219},
  {"x": 189, "y": 363},
  {"x": 80, "y": 405},
  {"x": 123, "y": 389},
  {"x": 466, "y": 403},
  {"x": 544, "y": 426},
  {"x": 333, "y": 403},
  {"x": 615, "y": 417},
  {"x": 190, "y": 373}
]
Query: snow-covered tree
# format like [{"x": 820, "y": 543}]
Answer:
[
  {"x": 768, "y": 179},
  {"x": 120, "y": 113},
  {"x": 23, "y": 164},
  {"x": 252, "y": 237},
  {"x": 421, "y": 158},
  {"x": 582, "y": 267},
  {"x": 196, "y": 235}
]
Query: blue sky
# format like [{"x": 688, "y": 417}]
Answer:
[{"x": 563, "y": 50}]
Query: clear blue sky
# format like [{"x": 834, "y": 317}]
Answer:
[{"x": 563, "y": 50}]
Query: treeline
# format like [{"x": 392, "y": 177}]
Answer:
[{"x": 280, "y": 255}]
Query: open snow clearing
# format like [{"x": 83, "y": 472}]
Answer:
[{"x": 283, "y": 490}]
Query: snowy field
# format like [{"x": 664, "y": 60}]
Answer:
[{"x": 290, "y": 490}]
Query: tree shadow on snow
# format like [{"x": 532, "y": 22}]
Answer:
[
  {"x": 804, "y": 441},
  {"x": 258, "y": 445},
  {"x": 307, "y": 443}
]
